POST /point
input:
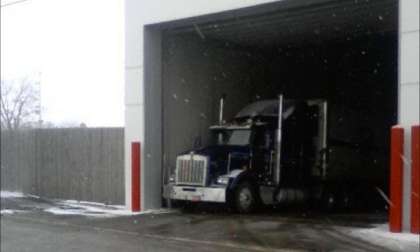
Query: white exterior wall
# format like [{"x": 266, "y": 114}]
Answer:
[
  {"x": 409, "y": 89},
  {"x": 137, "y": 14}
]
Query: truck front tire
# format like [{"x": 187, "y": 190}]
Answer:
[{"x": 246, "y": 200}]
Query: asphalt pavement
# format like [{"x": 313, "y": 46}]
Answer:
[{"x": 30, "y": 228}]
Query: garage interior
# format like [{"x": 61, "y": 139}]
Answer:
[{"x": 343, "y": 51}]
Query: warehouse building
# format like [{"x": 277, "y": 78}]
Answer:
[{"x": 360, "y": 55}]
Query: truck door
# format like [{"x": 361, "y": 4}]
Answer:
[{"x": 264, "y": 153}]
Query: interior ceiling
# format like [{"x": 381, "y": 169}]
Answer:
[{"x": 310, "y": 23}]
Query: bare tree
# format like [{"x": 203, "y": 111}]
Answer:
[{"x": 20, "y": 104}]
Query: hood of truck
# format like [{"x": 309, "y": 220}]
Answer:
[{"x": 219, "y": 156}]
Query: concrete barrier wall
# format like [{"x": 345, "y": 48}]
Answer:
[{"x": 81, "y": 164}]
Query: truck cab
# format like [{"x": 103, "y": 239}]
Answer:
[{"x": 271, "y": 152}]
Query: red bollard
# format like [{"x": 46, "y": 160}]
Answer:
[
  {"x": 415, "y": 179},
  {"x": 135, "y": 177},
  {"x": 396, "y": 179}
]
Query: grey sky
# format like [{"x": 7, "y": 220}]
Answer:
[{"x": 76, "y": 49}]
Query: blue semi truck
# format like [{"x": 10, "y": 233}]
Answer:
[{"x": 271, "y": 152}]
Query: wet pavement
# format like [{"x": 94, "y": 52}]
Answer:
[{"x": 202, "y": 229}]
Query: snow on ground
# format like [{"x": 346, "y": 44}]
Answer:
[
  {"x": 74, "y": 207},
  {"x": 9, "y": 194},
  {"x": 380, "y": 235},
  {"x": 95, "y": 209},
  {"x": 382, "y": 231},
  {"x": 10, "y": 211},
  {"x": 7, "y": 211}
]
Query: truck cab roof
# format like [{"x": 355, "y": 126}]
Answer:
[
  {"x": 264, "y": 112},
  {"x": 266, "y": 108}
]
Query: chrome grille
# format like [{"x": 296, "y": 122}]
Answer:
[{"x": 191, "y": 170}]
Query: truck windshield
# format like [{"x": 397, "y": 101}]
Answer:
[{"x": 233, "y": 137}]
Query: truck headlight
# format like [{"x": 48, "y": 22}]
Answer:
[{"x": 224, "y": 180}]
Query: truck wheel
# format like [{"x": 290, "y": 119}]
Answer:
[{"x": 245, "y": 198}]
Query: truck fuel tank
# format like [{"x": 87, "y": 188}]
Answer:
[{"x": 290, "y": 196}]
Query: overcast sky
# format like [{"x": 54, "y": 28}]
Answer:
[{"x": 76, "y": 49}]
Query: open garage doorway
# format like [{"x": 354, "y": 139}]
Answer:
[{"x": 345, "y": 52}]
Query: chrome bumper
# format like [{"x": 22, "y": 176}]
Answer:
[{"x": 189, "y": 193}]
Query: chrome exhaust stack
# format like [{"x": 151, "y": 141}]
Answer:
[
  {"x": 277, "y": 171},
  {"x": 324, "y": 133},
  {"x": 222, "y": 101}
]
